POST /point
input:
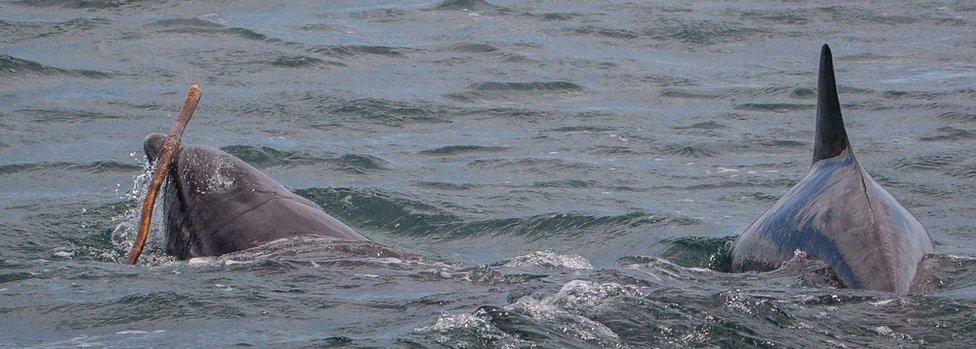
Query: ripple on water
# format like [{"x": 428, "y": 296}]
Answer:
[
  {"x": 83, "y": 4},
  {"x": 375, "y": 209},
  {"x": 94, "y": 167},
  {"x": 468, "y": 5},
  {"x": 489, "y": 90},
  {"x": 13, "y": 67},
  {"x": 264, "y": 156},
  {"x": 700, "y": 31},
  {"x": 926, "y": 162},
  {"x": 691, "y": 150},
  {"x": 462, "y": 149},
  {"x": 197, "y": 26},
  {"x": 704, "y": 125},
  {"x": 526, "y": 86},
  {"x": 958, "y": 116},
  {"x": 949, "y": 133},
  {"x": 382, "y": 111},
  {"x": 700, "y": 252},
  {"x": 301, "y": 61},
  {"x": 774, "y": 107}
]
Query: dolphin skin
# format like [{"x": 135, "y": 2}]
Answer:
[
  {"x": 837, "y": 214},
  {"x": 216, "y": 203}
]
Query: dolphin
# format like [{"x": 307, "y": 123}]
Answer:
[
  {"x": 837, "y": 214},
  {"x": 215, "y": 203}
]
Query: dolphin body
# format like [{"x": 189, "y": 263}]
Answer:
[
  {"x": 837, "y": 214},
  {"x": 216, "y": 203}
]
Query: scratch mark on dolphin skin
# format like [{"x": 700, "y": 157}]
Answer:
[
  {"x": 231, "y": 219},
  {"x": 864, "y": 185},
  {"x": 887, "y": 252}
]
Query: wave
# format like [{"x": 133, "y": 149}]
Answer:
[
  {"x": 675, "y": 93},
  {"x": 547, "y": 259},
  {"x": 384, "y": 111},
  {"x": 774, "y": 107},
  {"x": 926, "y": 162},
  {"x": 949, "y": 133},
  {"x": 534, "y": 165},
  {"x": 19, "y": 31},
  {"x": 445, "y": 185},
  {"x": 355, "y": 50},
  {"x": 374, "y": 209},
  {"x": 700, "y": 252},
  {"x": 469, "y": 5},
  {"x": 462, "y": 149},
  {"x": 300, "y": 61},
  {"x": 958, "y": 116},
  {"x": 360, "y": 163},
  {"x": 472, "y": 48},
  {"x": 690, "y": 32},
  {"x": 776, "y": 17},
  {"x": 691, "y": 150},
  {"x": 81, "y": 4},
  {"x": 850, "y": 14},
  {"x": 701, "y": 32},
  {"x": 526, "y": 86},
  {"x": 94, "y": 167},
  {"x": 764, "y": 183},
  {"x": 566, "y": 183},
  {"x": 966, "y": 170},
  {"x": 737, "y": 93},
  {"x": 559, "y": 320},
  {"x": 489, "y": 90},
  {"x": 201, "y": 26},
  {"x": 606, "y": 32},
  {"x": 556, "y": 16},
  {"x": 11, "y": 66},
  {"x": 264, "y": 157},
  {"x": 582, "y": 129},
  {"x": 783, "y": 143},
  {"x": 705, "y": 125},
  {"x": 63, "y": 115}
]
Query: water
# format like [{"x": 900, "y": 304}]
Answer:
[{"x": 560, "y": 175}]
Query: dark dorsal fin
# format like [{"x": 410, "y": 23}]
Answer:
[{"x": 831, "y": 136}]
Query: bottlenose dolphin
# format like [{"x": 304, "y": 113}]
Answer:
[
  {"x": 216, "y": 203},
  {"x": 837, "y": 214}
]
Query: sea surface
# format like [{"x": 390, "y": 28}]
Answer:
[{"x": 559, "y": 174}]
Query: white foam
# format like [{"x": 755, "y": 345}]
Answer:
[
  {"x": 201, "y": 261},
  {"x": 128, "y": 332},
  {"x": 549, "y": 259}
]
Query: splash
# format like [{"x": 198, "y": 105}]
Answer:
[{"x": 548, "y": 259}]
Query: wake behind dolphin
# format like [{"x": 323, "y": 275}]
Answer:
[{"x": 837, "y": 214}]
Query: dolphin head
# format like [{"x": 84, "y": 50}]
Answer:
[
  {"x": 178, "y": 238},
  {"x": 216, "y": 203},
  {"x": 153, "y": 146}
]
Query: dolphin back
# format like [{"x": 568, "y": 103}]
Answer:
[{"x": 837, "y": 214}]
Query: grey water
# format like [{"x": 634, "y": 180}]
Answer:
[{"x": 561, "y": 174}]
